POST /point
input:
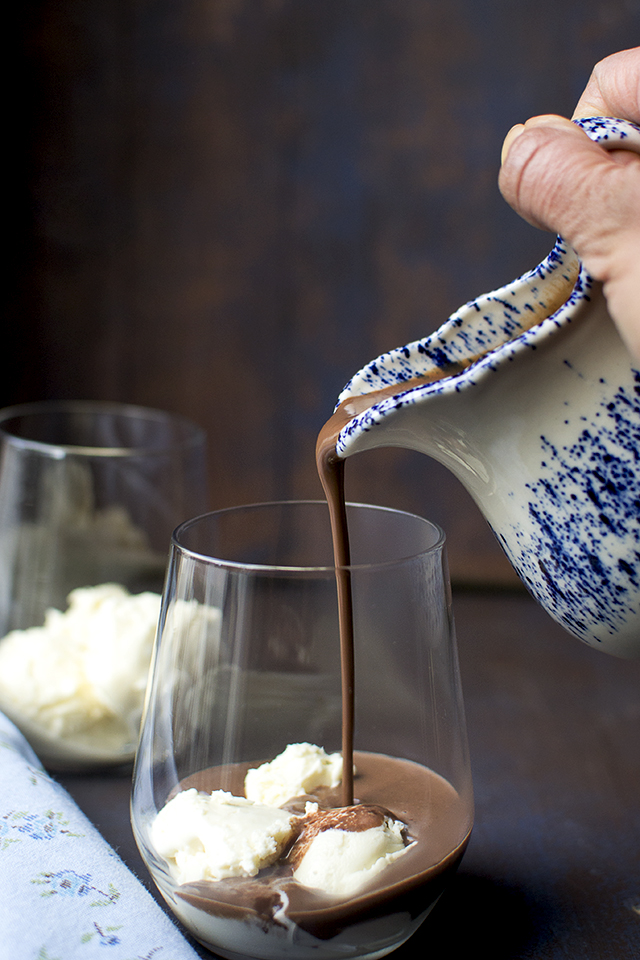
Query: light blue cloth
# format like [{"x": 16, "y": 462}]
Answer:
[{"x": 64, "y": 893}]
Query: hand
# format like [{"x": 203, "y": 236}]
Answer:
[{"x": 558, "y": 179}]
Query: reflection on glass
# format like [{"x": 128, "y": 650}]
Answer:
[
  {"x": 246, "y": 677},
  {"x": 89, "y": 495}
]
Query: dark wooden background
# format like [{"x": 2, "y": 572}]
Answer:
[{"x": 224, "y": 208}]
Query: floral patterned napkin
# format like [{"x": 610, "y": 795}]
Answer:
[{"x": 64, "y": 893}]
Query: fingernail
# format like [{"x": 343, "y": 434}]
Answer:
[{"x": 513, "y": 135}]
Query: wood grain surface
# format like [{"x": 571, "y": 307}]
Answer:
[{"x": 224, "y": 208}]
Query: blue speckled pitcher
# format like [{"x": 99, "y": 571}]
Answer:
[{"x": 542, "y": 427}]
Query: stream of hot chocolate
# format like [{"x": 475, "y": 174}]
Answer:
[{"x": 331, "y": 471}]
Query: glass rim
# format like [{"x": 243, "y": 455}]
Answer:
[
  {"x": 185, "y": 551},
  {"x": 193, "y": 434}
]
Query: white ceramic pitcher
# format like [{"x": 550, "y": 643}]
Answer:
[{"x": 542, "y": 427}]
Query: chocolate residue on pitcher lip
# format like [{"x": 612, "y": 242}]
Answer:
[{"x": 557, "y": 292}]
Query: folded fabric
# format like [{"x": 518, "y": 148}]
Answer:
[{"x": 64, "y": 893}]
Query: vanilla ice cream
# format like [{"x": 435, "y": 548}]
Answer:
[
  {"x": 340, "y": 861},
  {"x": 78, "y": 681},
  {"x": 216, "y": 836},
  {"x": 300, "y": 769}
]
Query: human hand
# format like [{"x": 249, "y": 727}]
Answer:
[{"x": 558, "y": 179}]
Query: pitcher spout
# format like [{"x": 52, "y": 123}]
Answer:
[
  {"x": 540, "y": 420},
  {"x": 529, "y": 396},
  {"x": 483, "y": 335}
]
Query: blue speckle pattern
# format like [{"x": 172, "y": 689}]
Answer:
[
  {"x": 493, "y": 328},
  {"x": 583, "y": 561},
  {"x": 605, "y": 129},
  {"x": 550, "y": 449}
]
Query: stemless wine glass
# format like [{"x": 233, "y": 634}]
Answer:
[
  {"x": 246, "y": 666},
  {"x": 89, "y": 495}
]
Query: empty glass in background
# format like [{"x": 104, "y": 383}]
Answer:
[
  {"x": 89, "y": 495},
  {"x": 247, "y": 661}
]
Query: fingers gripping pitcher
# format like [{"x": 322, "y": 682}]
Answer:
[{"x": 529, "y": 396}]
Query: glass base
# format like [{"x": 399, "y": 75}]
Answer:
[{"x": 249, "y": 940}]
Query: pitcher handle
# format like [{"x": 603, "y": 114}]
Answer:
[{"x": 611, "y": 132}]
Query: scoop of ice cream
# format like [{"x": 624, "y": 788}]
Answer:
[
  {"x": 85, "y": 666},
  {"x": 340, "y": 851},
  {"x": 300, "y": 769},
  {"x": 216, "y": 836}
]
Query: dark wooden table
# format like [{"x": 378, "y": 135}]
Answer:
[{"x": 553, "y": 867}]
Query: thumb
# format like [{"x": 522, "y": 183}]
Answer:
[{"x": 557, "y": 178}]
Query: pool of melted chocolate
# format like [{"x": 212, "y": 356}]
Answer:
[{"x": 434, "y": 815}]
